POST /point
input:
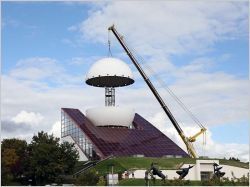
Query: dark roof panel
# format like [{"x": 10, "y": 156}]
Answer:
[{"x": 144, "y": 139}]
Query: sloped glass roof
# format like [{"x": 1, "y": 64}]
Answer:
[{"x": 144, "y": 139}]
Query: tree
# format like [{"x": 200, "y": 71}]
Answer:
[
  {"x": 43, "y": 160},
  {"x": 9, "y": 159},
  {"x": 234, "y": 159},
  {"x": 48, "y": 159},
  {"x": 13, "y": 153},
  {"x": 20, "y": 146},
  {"x": 69, "y": 157}
]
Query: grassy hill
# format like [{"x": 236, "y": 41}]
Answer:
[
  {"x": 141, "y": 182},
  {"x": 130, "y": 163}
]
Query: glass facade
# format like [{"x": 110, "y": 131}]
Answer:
[
  {"x": 70, "y": 128},
  {"x": 143, "y": 139}
]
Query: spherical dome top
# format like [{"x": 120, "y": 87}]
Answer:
[
  {"x": 111, "y": 116},
  {"x": 109, "y": 72}
]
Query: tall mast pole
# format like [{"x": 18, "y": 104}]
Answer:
[{"x": 154, "y": 91}]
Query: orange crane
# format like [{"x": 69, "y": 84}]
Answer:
[{"x": 187, "y": 140}]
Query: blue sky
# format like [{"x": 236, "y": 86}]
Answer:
[
  {"x": 34, "y": 32},
  {"x": 70, "y": 37},
  {"x": 32, "y": 26}
]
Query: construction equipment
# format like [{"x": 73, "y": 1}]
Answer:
[{"x": 187, "y": 140}]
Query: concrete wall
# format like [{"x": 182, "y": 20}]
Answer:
[
  {"x": 238, "y": 172},
  {"x": 194, "y": 173},
  {"x": 82, "y": 156},
  {"x": 203, "y": 165}
]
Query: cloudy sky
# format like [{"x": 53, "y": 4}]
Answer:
[{"x": 198, "y": 49}]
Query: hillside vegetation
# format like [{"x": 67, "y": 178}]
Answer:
[
  {"x": 141, "y": 182},
  {"x": 131, "y": 163}
]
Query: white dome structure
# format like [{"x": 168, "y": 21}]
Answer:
[
  {"x": 109, "y": 72},
  {"x": 111, "y": 116}
]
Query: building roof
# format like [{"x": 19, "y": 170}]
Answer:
[
  {"x": 144, "y": 139},
  {"x": 109, "y": 72}
]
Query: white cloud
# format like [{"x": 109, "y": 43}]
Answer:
[
  {"x": 30, "y": 118},
  {"x": 77, "y": 61},
  {"x": 204, "y": 100},
  {"x": 68, "y": 41},
  {"x": 210, "y": 148},
  {"x": 49, "y": 71},
  {"x": 218, "y": 95},
  {"x": 36, "y": 68},
  {"x": 199, "y": 64},
  {"x": 72, "y": 28},
  {"x": 23, "y": 125},
  {"x": 156, "y": 31},
  {"x": 56, "y": 129},
  {"x": 34, "y": 103},
  {"x": 172, "y": 27},
  {"x": 84, "y": 60}
]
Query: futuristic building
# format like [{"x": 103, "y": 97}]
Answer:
[{"x": 112, "y": 130}]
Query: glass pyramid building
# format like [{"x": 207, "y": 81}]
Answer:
[{"x": 143, "y": 139}]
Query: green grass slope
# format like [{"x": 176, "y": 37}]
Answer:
[
  {"x": 131, "y": 163},
  {"x": 141, "y": 182}
]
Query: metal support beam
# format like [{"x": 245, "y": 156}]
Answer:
[{"x": 109, "y": 96}]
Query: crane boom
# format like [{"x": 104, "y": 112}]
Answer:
[{"x": 188, "y": 144}]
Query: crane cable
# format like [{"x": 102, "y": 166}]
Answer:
[
  {"x": 183, "y": 106},
  {"x": 109, "y": 45},
  {"x": 165, "y": 87}
]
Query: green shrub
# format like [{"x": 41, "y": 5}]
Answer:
[
  {"x": 88, "y": 178},
  {"x": 101, "y": 182}
]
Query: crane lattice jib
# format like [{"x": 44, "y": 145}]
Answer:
[{"x": 186, "y": 140}]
